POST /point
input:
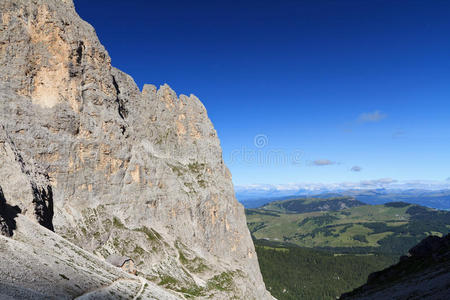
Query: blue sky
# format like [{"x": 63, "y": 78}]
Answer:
[{"x": 325, "y": 86}]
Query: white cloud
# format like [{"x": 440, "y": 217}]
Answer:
[
  {"x": 378, "y": 182},
  {"x": 316, "y": 188},
  {"x": 372, "y": 117}
]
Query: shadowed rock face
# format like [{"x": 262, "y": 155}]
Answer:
[
  {"x": 123, "y": 171},
  {"x": 23, "y": 188},
  {"x": 432, "y": 246},
  {"x": 423, "y": 274},
  {"x": 7, "y": 216}
]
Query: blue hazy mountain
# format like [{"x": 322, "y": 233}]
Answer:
[{"x": 439, "y": 199}]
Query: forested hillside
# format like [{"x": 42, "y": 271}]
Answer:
[
  {"x": 303, "y": 205},
  {"x": 292, "y": 272}
]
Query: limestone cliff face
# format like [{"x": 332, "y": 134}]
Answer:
[
  {"x": 127, "y": 172},
  {"x": 23, "y": 189}
]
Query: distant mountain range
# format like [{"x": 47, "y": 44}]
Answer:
[{"x": 435, "y": 198}]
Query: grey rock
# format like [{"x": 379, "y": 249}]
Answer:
[
  {"x": 38, "y": 264},
  {"x": 23, "y": 188},
  {"x": 135, "y": 173},
  {"x": 117, "y": 260}
]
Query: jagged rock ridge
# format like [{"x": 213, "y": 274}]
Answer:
[{"x": 124, "y": 172}]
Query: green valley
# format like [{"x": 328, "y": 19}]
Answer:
[
  {"x": 313, "y": 248},
  {"x": 390, "y": 228}
]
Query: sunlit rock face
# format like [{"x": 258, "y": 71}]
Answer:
[{"x": 138, "y": 174}]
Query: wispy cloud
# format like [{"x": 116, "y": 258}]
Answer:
[
  {"x": 378, "y": 182},
  {"x": 323, "y": 162},
  {"x": 371, "y": 117},
  {"x": 316, "y": 188},
  {"x": 356, "y": 169}
]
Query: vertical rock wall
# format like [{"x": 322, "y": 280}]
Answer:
[{"x": 128, "y": 172}]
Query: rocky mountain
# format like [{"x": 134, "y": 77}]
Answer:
[
  {"x": 39, "y": 264},
  {"x": 435, "y": 198},
  {"x": 422, "y": 274},
  {"x": 110, "y": 168}
]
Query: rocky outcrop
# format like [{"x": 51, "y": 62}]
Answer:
[
  {"x": 23, "y": 189},
  {"x": 39, "y": 264},
  {"x": 137, "y": 173},
  {"x": 431, "y": 246},
  {"x": 423, "y": 274}
]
